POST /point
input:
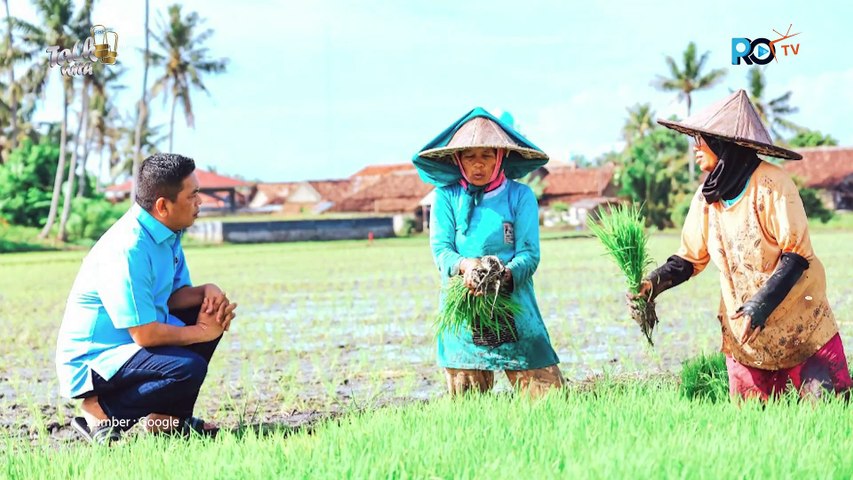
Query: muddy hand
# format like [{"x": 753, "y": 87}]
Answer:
[
  {"x": 471, "y": 283},
  {"x": 644, "y": 293}
]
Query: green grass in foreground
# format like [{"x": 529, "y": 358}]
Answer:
[{"x": 613, "y": 430}]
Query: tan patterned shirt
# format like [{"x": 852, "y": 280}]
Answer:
[{"x": 745, "y": 241}]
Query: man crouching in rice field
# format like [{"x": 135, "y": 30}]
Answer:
[
  {"x": 749, "y": 220},
  {"x": 479, "y": 211},
  {"x": 136, "y": 337}
]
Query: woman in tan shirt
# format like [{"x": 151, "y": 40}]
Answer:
[{"x": 749, "y": 220}]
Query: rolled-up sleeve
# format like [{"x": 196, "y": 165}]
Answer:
[
  {"x": 694, "y": 235},
  {"x": 125, "y": 285},
  {"x": 526, "y": 259},
  {"x": 442, "y": 234},
  {"x": 786, "y": 221}
]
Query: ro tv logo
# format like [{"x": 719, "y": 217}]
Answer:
[{"x": 762, "y": 51}]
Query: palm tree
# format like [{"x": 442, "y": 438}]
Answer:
[
  {"x": 79, "y": 29},
  {"x": 122, "y": 159},
  {"x": 141, "y": 114},
  {"x": 82, "y": 124},
  {"x": 56, "y": 16},
  {"x": 105, "y": 119},
  {"x": 772, "y": 112},
  {"x": 103, "y": 84},
  {"x": 641, "y": 121},
  {"x": 184, "y": 59},
  {"x": 689, "y": 79},
  {"x": 16, "y": 109}
]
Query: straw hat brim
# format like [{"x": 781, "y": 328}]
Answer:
[
  {"x": 760, "y": 147},
  {"x": 445, "y": 154}
]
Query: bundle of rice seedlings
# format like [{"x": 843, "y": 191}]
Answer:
[
  {"x": 705, "y": 377},
  {"x": 622, "y": 232},
  {"x": 486, "y": 312}
]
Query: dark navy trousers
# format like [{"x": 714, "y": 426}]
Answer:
[{"x": 163, "y": 380}]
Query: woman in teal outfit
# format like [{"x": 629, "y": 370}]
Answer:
[{"x": 479, "y": 210}]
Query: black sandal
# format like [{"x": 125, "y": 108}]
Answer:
[
  {"x": 195, "y": 426},
  {"x": 103, "y": 435},
  {"x": 188, "y": 427}
]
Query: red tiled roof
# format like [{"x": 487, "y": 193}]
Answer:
[
  {"x": 395, "y": 192},
  {"x": 371, "y": 170},
  {"x": 822, "y": 167},
  {"x": 332, "y": 190},
  {"x": 571, "y": 181},
  {"x": 206, "y": 180},
  {"x": 277, "y": 192}
]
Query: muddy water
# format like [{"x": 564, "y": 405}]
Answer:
[{"x": 297, "y": 360}]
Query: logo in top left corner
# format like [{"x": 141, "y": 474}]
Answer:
[{"x": 100, "y": 47}]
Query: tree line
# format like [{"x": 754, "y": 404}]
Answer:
[{"x": 91, "y": 124}]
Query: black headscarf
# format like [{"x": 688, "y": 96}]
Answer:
[{"x": 735, "y": 166}]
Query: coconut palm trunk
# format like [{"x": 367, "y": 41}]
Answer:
[
  {"x": 84, "y": 159},
  {"x": 13, "y": 103},
  {"x": 87, "y": 141},
  {"x": 691, "y": 165},
  {"x": 141, "y": 115},
  {"x": 172, "y": 123},
  {"x": 62, "y": 235},
  {"x": 101, "y": 159},
  {"x": 60, "y": 166}
]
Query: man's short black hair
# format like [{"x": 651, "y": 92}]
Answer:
[{"x": 162, "y": 175}]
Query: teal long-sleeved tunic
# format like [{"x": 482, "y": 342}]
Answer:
[{"x": 506, "y": 224}]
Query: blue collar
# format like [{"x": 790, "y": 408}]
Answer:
[
  {"x": 729, "y": 203},
  {"x": 159, "y": 232}
]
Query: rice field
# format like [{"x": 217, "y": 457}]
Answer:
[{"x": 332, "y": 358}]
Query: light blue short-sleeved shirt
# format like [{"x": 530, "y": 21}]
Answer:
[{"x": 125, "y": 281}]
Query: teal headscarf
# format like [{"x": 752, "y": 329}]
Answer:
[{"x": 441, "y": 174}]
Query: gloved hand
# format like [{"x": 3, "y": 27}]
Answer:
[
  {"x": 758, "y": 308},
  {"x": 674, "y": 272}
]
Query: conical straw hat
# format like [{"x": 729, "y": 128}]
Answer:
[
  {"x": 484, "y": 133},
  {"x": 733, "y": 119}
]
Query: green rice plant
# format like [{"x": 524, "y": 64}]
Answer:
[
  {"x": 622, "y": 232},
  {"x": 705, "y": 377},
  {"x": 487, "y": 309}
]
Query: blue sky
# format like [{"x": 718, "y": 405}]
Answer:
[{"x": 320, "y": 89}]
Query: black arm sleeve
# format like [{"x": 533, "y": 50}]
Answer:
[
  {"x": 674, "y": 272},
  {"x": 761, "y": 305}
]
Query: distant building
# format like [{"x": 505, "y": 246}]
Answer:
[
  {"x": 571, "y": 194},
  {"x": 399, "y": 190},
  {"x": 292, "y": 198},
  {"x": 568, "y": 184},
  {"x": 218, "y": 192},
  {"x": 829, "y": 170}
]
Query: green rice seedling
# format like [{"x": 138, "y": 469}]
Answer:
[
  {"x": 622, "y": 232},
  {"x": 705, "y": 377},
  {"x": 486, "y": 309}
]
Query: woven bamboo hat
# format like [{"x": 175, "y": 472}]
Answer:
[
  {"x": 484, "y": 133},
  {"x": 477, "y": 128},
  {"x": 733, "y": 119}
]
